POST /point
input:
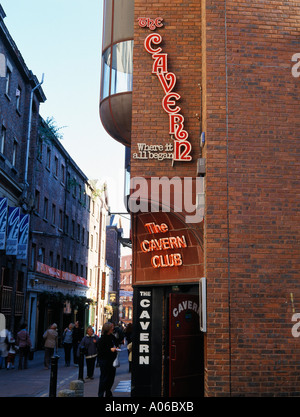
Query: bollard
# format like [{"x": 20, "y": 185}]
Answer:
[
  {"x": 53, "y": 376},
  {"x": 81, "y": 363}
]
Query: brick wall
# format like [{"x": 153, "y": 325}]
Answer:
[
  {"x": 252, "y": 212},
  {"x": 241, "y": 53}
]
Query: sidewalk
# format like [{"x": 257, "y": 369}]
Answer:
[{"x": 35, "y": 381}]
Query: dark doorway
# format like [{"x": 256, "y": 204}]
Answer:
[{"x": 186, "y": 347}]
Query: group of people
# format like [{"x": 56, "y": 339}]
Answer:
[
  {"x": 98, "y": 350},
  {"x": 71, "y": 338},
  {"x": 9, "y": 346},
  {"x": 103, "y": 349}
]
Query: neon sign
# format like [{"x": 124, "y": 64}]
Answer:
[
  {"x": 165, "y": 243},
  {"x": 182, "y": 147}
]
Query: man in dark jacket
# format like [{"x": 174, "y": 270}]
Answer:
[
  {"x": 77, "y": 337},
  {"x": 107, "y": 352}
]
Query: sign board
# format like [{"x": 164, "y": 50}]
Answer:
[
  {"x": 3, "y": 221},
  {"x": 13, "y": 224},
  {"x": 23, "y": 236}
]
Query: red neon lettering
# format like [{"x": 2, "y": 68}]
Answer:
[
  {"x": 167, "y": 102},
  {"x": 164, "y": 78},
  {"x": 160, "y": 63},
  {"x": 154, "y": 38},
  {"x": 176, "y": 127},
  {"x": 182, "y": 147},
  {"x": 182, "y": 150}
]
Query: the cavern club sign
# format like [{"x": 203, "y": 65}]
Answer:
[{"x": 182, "y": 147}]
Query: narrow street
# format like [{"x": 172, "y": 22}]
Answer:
[{"x": 35, "y": 381}]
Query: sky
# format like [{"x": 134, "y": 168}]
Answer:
[{"x": 63, "y": 40}]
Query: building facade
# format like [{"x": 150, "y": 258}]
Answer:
[
  {"x": 126, "y": 290},
  {"x": 213, "y": 98},
  {"x": 20, "y": 91},
  {"x": 114, "y": 233},
  {"x": 68, "y": 238}
]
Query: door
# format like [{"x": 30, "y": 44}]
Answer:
[{"x": 186, "y": 347}]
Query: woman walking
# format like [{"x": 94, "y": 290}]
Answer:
[
  {"x": 68, "y": 343},
  {"x": 107, "y": 351},
  {"x": 24, "y": 343},
  {"x": 51, "y": 337},
  {"x": 89, "y": 343}
]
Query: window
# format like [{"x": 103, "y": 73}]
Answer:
[
  {"x": 68, "y": 181},
  {"x": 48, "y": 162},
  {"x": 66, "y": 224},
  {"x": 18, "y": 96},
  {"x": 97, "y": 242},
  {"x": 3, "y": 139},
  {"x": 78, "y": 232},
  {"x": 51, "y": 259},
  {"x": 33, "y": 256},
  {"x": 63, "y": 174},
  {"x": 83, "y": 235},
  {"x": 74, "y": 187},
  {"x": 46, "y": 208},
  {"x": 37, "y": 201},
  {"x": 40, "y": 148},
  {"x": 92, "y": 242},
  {"x": 60, "y": 219},
  {"x": 73, "y": 229},
  {"x": 56, "y": 166},
  {"x": 8, "y": 80},
  {"x": 42, "y": 255},
  {"x": 53, "y": 219},
  {"x": 57, "y": 266},
  {"x": 15, "y": 150}
]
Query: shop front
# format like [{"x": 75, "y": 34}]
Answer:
[{"x": 168, "y": 344}]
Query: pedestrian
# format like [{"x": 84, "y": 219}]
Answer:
[
  {"x": 67, "y": 339},
  {"x": 51, "y": 337},
  {"x": 24, "y": 343},
  {"x": 11, "y": 354},
  {"x": 107, "y": 351},
  {"x": 129, "y": 348},
  {"x": 119, "y": 335},
  {"x": 128, "y": 333},
  {"x": 4, "y": 346},
  {"x": 77, "y": 336},
  {"x": 90, "y": 345}
]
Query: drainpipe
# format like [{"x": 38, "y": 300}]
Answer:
[{"x": 28, "y": 137}]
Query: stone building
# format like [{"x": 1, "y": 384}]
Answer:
[
  {"x": 20, "y": 90},
  {"x": 68, "y": 238}
]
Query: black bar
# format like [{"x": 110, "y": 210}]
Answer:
[
  {"x": 81, "y": 363},
  {"x": 53, "y": 376}
]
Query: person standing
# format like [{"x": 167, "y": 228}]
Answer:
[
  {"x": 51, "y": 337},
  {"x": 68, "y": 343},
  {"x": 107, "y": 351},
  {"x": 4, "y": 345},
  {"x": 89, "y": 343},
  {"x": 24, "y": 343},
  {"x": 77, "y": 337}
]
